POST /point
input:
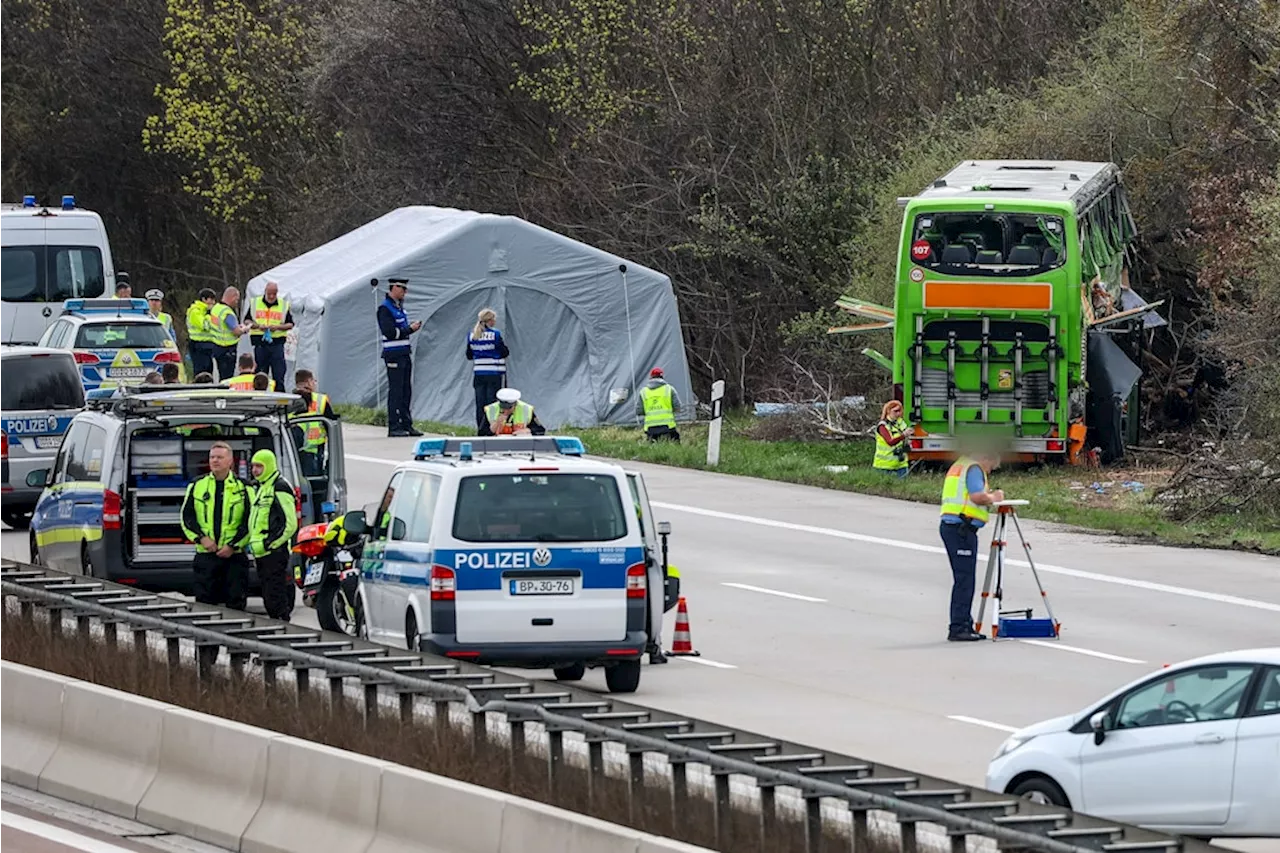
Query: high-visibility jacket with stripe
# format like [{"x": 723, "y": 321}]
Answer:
[
  {"x": 244, "y": 382},
  {"x": 956, "y": 499},
  {"x": 222, "y": 336},
  {"x": 198, "y": 322},
  {"x": 268, "y": 315},
  {"x": 520, "y": 417},
  {"x": 658, "y": 410},
  {"x": 314, "y": 437},
  {"x": 198, "y": 512},
  {"x": 886, "y": 459}
]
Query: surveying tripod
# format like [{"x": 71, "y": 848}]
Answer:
[{"x": 1008, "y": 623}]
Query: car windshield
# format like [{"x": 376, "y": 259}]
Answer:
[
  {"x": 539, "y": 508},
  {"x": 989, "y": 243},
  {"x": 118, "y": 335},
  {"x": 40, "y": 383}
]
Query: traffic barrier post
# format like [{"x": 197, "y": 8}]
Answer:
[{"x": 717, "y": 415}]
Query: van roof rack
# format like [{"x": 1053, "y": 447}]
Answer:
[
  {"x": 466, "y": 447},
  {"x": 198, "y": 400}
]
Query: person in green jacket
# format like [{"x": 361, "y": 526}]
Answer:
[
  {"x": 215, "y": 516},
  {"x": 273, "y": 519}
]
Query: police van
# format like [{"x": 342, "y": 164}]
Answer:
[{"x": 515, "y": 552}]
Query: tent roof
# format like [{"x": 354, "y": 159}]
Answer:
[{"x": 380, "y": 247}]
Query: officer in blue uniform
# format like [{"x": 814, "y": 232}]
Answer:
[
  {"x": 487, "y": 352},
  {"x": 395, "y": 327}
]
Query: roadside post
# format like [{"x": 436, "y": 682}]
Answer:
[{"x": 717, "y": 413}]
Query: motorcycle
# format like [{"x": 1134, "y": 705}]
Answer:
[{"x": 327, "y": 573}]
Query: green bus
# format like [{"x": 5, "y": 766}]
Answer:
[{"x": 1013, "y": 315}]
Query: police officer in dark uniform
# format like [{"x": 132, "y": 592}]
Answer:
[{"x": 395, "y": 327}]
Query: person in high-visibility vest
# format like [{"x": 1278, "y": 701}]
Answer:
[
  {"x": 966, "y": 501},
  {"x": 226, "y": 330},
  {"x": 313, "y": 439},
  {"x": 657, "y": 404},
  {"x": 246, "y": 377},
  {"x": 269, "y": 320},
  {"x": 199, "y": 335},
  {"x": 273, "y": 519},
  {"x": 510, "y": 416},
  {"x": 215, "y": 516},
  {"x": 891, "y": 441}
]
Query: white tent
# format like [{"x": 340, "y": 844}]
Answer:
[{"x": 584, "y": 327}]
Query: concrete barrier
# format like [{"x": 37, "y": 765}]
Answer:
[
  {"x": 422, "y": 813},
  {"x": 31, "y": 701},
  {"x": 108, "y": 749},
  {"x": 316, "y": 798},
  {"x": 211, "y": 778},
  {"x": 529, "y": 827}
]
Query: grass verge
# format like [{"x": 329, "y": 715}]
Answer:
[
  {"x": 449, "y": 750},
  {"x": 1105, "y": 501}
]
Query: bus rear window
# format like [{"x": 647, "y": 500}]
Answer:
[
  {"x": 988, "y": 243},
  {"x": 539, "y": 508}
]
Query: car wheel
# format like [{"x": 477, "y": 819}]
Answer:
[
  {"x": 1042, "y": 790},
  {"x": 33, "y": 550},
  {"x": 623, "y": 677},
  {"x": 86, "y": 564},
  {"x": 17, "y": 519},
  {"x": 573, "y": 672},
  {"x": 412, "y": 641}
]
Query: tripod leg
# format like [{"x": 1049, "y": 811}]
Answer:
[
  {"x": 1044, "y": 596},
  {"x": 992, "y": 561}
]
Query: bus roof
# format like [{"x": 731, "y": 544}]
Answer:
[{"x": 1036, "y": 180}]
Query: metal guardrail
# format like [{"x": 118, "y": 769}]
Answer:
[{"x": 816, "y": 774}]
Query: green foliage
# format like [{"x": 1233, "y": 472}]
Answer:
[
  {"x": 594, "y": 61},
  {"x": 231, "y": 101}
]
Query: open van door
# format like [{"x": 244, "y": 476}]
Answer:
[
  {"x": 318, "y": 441},
  {"x": 656, "y": 574}
]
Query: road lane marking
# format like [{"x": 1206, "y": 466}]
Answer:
[
  {"x": 701, "y": 660},
  {"x": 1054, "y": 645},
  {"x": 56, "y": 834},
  {"x": 986, "y": 724},
  {"x": 797, "y": 597},
  {"x": 1203, "y": 595},
  {"x": 934, "y": 549}
]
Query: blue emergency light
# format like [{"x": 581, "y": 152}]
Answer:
[
  {"x": 464, "y": 452},
  {"x": 68, "y": 202},
  {"x": 106, "y": 306},
  {"x": 429, "y": 447},
  {"x": 570, "y": 446},
  {"x": 28, "y": 201}
]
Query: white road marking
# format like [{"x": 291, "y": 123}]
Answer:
[
  {"x": 1048, "y": 644},
  {"x": 986, "y": 724},
  {"x": 796, "y": 596},
  {"x": 58, "y": 835},
  {"x": 934, "y": 549},
  {"x": 377, "y": 460},
  {"x": 703, "y": 661}
]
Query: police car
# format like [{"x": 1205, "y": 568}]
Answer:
[
  {"x": 115, "y": 341},
  {"x": 512, "y": 552}
]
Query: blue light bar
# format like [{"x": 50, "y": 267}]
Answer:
[
  {"x": 570, "y": 446},
  {"x": 464, "y": 452},
  {"x": 68, "y": 202},
  {"x": 28, "y": 201},
  {"x": 100, "y": 394},
  {"x": 429, "y": 447},
  {"x": 106, "y": 305}
]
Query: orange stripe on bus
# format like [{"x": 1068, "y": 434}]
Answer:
[{"x": 958, "y": 294}]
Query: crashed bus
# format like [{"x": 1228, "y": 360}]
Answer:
[{"x": 1013, "y": 315}]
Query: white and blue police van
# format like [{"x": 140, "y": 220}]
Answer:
[{"x": 512, "y": 551}]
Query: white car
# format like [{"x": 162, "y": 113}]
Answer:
[{"x": 1193, "y": 749}]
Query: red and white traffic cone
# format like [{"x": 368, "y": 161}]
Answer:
[{"x": 682, "y": 644}]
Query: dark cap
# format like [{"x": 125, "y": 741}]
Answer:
[{"x": 400, "y": 281}]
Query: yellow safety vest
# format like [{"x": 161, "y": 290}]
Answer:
[
  {"x": 315, "y": 434},
  {"x": 519, "y": 418},
  {"x": 955, "y": 493},
  {"x": 222, "y": 336},
  {"x": 268, "y": 315},
  {"x": 886, "y": 459},
  {"x": 198, "y": 322},
  {"x": 244, "y": 382},
  {"x": 658, "y": 410}
]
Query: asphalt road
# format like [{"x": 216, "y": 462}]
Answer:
[{"x": 821, "y": 617}]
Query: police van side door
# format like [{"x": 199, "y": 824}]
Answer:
[
  {"x": 653, "y": 551},
  {"x": 407, "y": 558}
]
